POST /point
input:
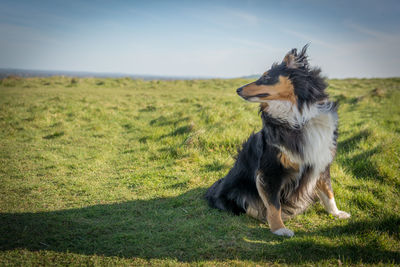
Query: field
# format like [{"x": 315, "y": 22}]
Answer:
[{"x": 113, "y": 171}]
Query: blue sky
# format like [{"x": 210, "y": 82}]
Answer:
[{"x": 200, "y": 38}]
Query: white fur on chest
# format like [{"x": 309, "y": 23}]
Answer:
[
  {"x": 317, "y": 124},
  {"x": 318, "y": 143}
]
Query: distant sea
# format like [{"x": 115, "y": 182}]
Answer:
[{"x": 4, "y": 72}]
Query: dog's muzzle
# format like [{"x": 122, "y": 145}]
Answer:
[{"x": 239, "y": 91}]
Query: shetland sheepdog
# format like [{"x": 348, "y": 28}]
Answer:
[{"x": 282, "y": 169}]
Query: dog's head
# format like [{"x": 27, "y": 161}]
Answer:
[{"x": 292, "y": 81}]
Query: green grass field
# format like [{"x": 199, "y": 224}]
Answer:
[{"x": 113, "y": 171}]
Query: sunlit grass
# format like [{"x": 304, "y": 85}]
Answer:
[{"x": 113, "y": 171}]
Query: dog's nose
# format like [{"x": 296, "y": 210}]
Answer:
[{"x": 239, "y": 90}]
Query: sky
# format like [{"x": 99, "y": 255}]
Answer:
[{"x": 200, "y": 38}]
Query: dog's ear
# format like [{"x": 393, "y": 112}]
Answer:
[
  {"x": 290, "y": 59},
  {"x": 294, "y": 60}
]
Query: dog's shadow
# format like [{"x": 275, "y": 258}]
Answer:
[{"x": 182, "y": 228}]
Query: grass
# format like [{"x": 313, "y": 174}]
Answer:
[{"x": 113, "y": 171}]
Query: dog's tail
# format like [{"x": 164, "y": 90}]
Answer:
[{"x": 219, "y": 199}]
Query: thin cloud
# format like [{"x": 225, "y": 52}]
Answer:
[
  {"x": 255, "y": 44},
  {"x": 224, "y": 17},
  {"x": 309, "y": 38},
  {"x": 243, "y": 16},
  {"x": 370, "y": 32}
]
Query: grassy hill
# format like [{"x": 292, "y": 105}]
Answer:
[{"x": 113, "y": 171}]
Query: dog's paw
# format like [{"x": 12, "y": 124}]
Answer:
[
  {"x": 342, "y": 215},
  {"x": 284, "y": 232}
]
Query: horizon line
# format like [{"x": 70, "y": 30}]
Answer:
[{"x": 6, "y": 71}]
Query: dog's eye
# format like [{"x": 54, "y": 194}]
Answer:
[{"x": 266, "y": 78}]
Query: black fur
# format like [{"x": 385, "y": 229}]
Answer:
[
  {"x": 238, "y": 189},
  {"x": 230, "y": 192}
]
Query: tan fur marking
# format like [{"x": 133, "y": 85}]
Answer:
[
  {"x": 288, "y": 58},
  {"x": 285, "y": 161},
  {"x": 252, "y": 212},
  {"x": 257, "y": 210},
  {"x": 263, "y": 106},
  {"x": 333, "y": 151},
  {"x": 274, "y": 216},
  {"x": 325, "y": 188},
  {"x": 257, "y": 213},
  {"x": 283, "y": 90},
  {"x": 290, "y": 61}
]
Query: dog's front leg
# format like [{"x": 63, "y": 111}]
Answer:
[
  {"x": 325, "y": 194},
  {"x": 274, "y": 214}
]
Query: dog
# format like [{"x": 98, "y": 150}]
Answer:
[{"x": 285, "y": 167}]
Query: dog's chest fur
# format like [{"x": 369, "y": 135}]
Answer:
[
  {"x": 318, "y": 148},
  {"x": 318, "y": 143}
]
